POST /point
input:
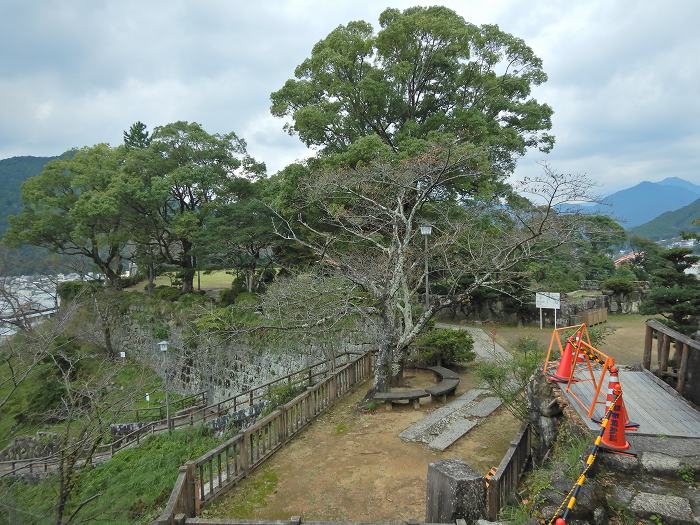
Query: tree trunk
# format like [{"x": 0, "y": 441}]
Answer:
[
  {"x": 151, "y": 279},
  {"x": 382, "y": 368},
  {"x": 187, "y": 268},
  {"x": 108, "y": 340}
]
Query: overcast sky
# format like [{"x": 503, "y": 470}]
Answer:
[{"x": 624, "y": 77}]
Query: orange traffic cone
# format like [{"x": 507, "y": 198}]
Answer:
[
  {"x": 613, "y": 439},
  {"x": 564, "y": 369},
  {"x": 612, "y": 383}
]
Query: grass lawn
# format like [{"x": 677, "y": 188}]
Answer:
[
  {"x": 209, "y": 280},
  {"x": 625, "y": 344}
]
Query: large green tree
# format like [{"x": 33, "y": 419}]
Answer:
[
  {"x": 171, "y": 186},
  {"x": 675, "y": 294},
  {"x": 427, "y": 72},
  {"x": 238, "y": 233},
  {"x": 72, "y": 208}
]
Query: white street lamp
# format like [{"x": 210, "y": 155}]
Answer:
[
  {"x": 426, "y": 230},
  {"x": 163, "y": 347}
]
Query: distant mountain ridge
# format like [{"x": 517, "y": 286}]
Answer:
[
  {"x": 672, "y": 223},
  {"x": 645, "y": 201}
]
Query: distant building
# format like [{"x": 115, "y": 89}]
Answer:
[{"x": 628, "y": 257}]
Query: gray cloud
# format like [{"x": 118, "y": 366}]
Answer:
[{"x": 623, "y": 76}]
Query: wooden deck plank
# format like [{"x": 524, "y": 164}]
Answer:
[{"x": 657, "y": 410}]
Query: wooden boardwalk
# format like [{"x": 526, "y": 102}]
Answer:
[{"x": 658, "y": 408}]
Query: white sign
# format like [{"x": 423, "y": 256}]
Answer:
[
  {"x": 548, "y": 300},
  {"x": 122, "y": 354}
]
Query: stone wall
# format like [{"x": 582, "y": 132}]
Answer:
[{"x": 25, "y": 447}]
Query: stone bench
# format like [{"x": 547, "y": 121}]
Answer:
[
  {"x": 449, "y": 381},
  {"x": 443, "y": 389},
  {"x": 407, "y": 395}
]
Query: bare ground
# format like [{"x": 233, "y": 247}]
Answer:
[{"x": 349, "y": 465}]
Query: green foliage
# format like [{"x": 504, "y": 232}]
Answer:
[
  {"x": 69, "y": 290},
  {"x": 427, "y": 74},
  {"x": 72, "y": 208},
  {"x": 166, "y": 293},
  {"x": 133, "y": 485},
  {"x": 137, "y": 136},
  {"x": 281, "y": 394},
  {"x": 675, "y": 294},
  {"x": 515, "y": 514},
  {"x": 672, "y": 223},
  {"x": 619, "y": 285},
  {"x": 13, "y": 172},
  {"x": 599, "y": 334},
  {"x": 445, "y": 346},
  {"x": 687, "y": 474},
  {"x": 508, "y": 378}
]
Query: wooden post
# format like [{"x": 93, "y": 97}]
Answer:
[
  {"x": 659, "y": 347},
  {"x": 682, "y": 369},
  {"x": 677, "y": 349},
  {"x": 663, "y": 364},
  {"x": 646, "y": 360},
  {"x": 244, "y": 451}
]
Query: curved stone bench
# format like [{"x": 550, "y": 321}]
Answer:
[
  {"x": 407, "y": 395},
  {"x": 449, "y": 381}
]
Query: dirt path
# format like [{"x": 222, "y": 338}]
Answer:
[{"x": 353, "y": 466}]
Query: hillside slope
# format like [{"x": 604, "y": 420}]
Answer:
[
  {"x": 671, "y": 223},
  {"x": 13, "y": 172},
  {"x": 641, "y": 203}
]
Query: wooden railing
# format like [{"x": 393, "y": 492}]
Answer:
[
  {"x": 669, "y": 367},
  {"x": 221, "y": 468},
  {"x": 159, "y": 412},
  {"x": 503, "y": 484},
  {"x": 592, "y": 317},
  {"x": 202, "y": 414}
]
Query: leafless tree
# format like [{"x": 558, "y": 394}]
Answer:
[{"x": 363, "y": 225}]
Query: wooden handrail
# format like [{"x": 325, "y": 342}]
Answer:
[
  {"x": 682, "y": 346},
  {"x": 215, "y": 409},
  {"x": 673, "y": 334},
  {"x": 222, "y": 467}
]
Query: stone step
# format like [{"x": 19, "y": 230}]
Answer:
[
  {"x": 452, "y": 433},
  {"x": 418, "y": 429},
  {"x": 483, "y": 407}
]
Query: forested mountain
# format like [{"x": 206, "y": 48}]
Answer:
[
  {"x": 13, "y": 172},
  {"x": 27, "y": 259},
  {"x": 671, "y": 223},
  {"x": 643, "y": 202}
]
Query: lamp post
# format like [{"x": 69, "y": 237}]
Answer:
[
  {"x": 426, "y": 230},
  {"x": 163, "y": 347}
]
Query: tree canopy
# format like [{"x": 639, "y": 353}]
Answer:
[{"x": 426, "y": 73}]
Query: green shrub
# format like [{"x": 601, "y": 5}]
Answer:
[
  {"x": 69, "y": 290},
  {"x": 227, "y": 297},
  {"x": 281, "y": 394},
  {"x": 166, "y": 293},
  {"x": 619, "y": 285},
  {"x": 440, "y": 346}
]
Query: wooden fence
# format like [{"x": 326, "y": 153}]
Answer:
[
  {"x": 159, "y": 412},
  {"x": 504, "y": 483},
  {"x": 670, "y": 367},
  {"x": 221, "y": 468},
  {"x": 200, "y": 414},
  {"x": 593, "y": 317}
]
